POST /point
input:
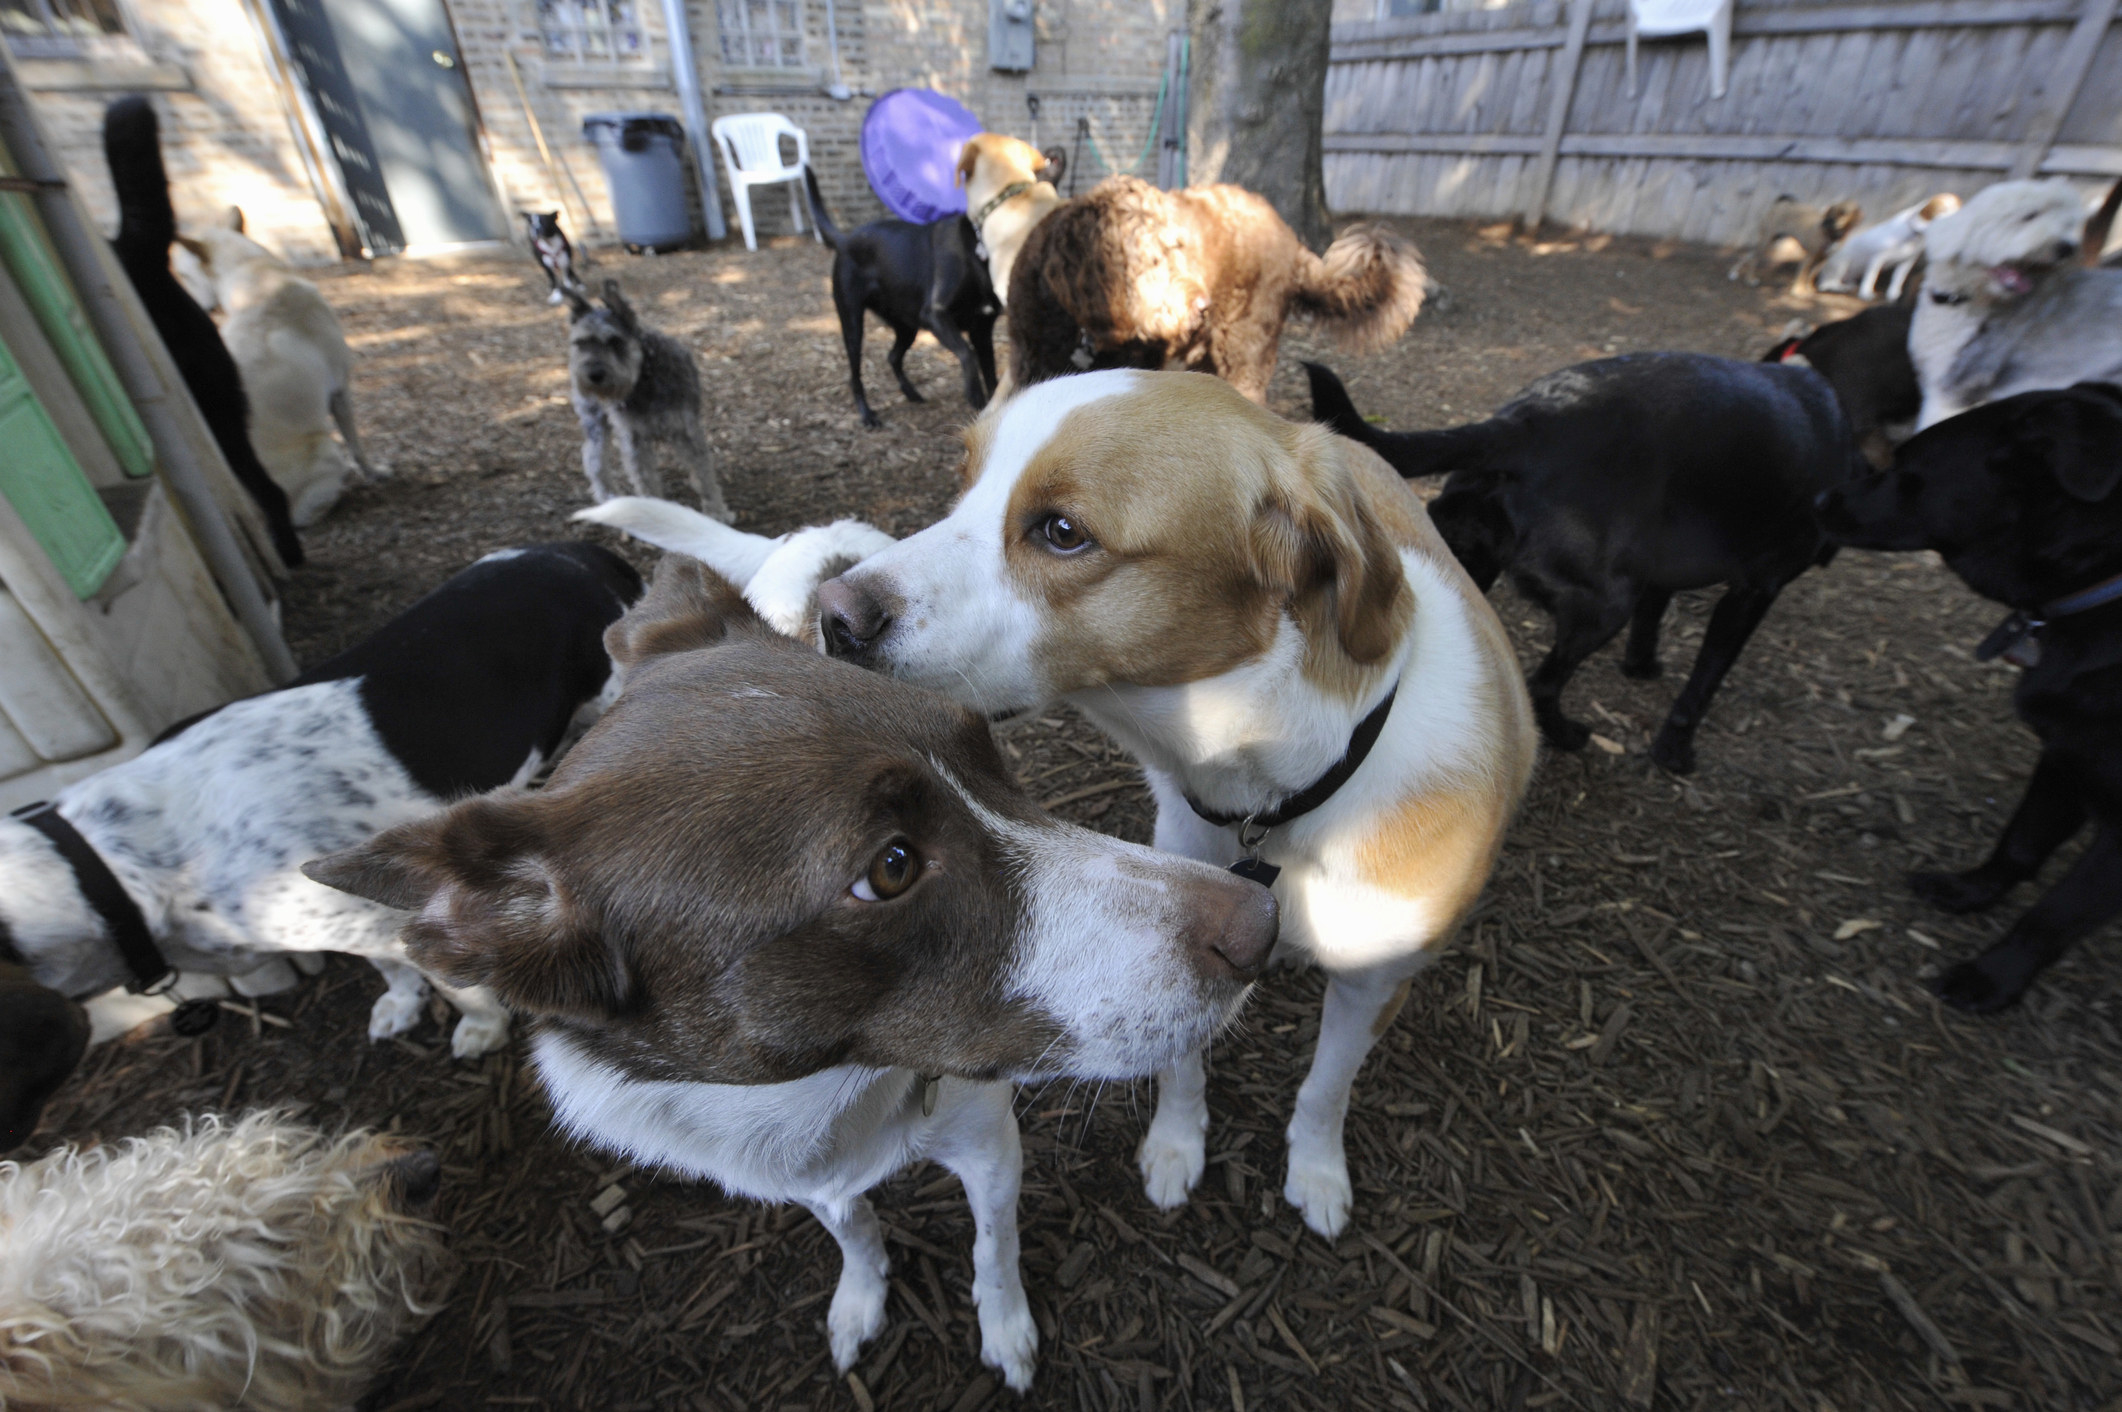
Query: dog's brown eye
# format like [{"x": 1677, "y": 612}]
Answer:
[
  {"x": 1063, "y": 533},
  {"x": 891, "y": 872}
]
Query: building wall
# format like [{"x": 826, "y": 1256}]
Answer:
[
  {"x": 229, "y": 139},
  {"x": 225, "y": 134}
]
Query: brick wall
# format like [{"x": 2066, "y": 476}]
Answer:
[{"x": 228, "y": 137}]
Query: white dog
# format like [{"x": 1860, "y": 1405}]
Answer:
[
  {"x": 2006, "y": 306},
  {"x": 1854, "y": 266},
  {"x": 296, "y": 367},
  {"x": 253, "y": 1264}
]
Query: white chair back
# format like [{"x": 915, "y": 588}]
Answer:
[{"x": 752, "y": 142}]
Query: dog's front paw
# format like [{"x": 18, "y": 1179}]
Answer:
[
  {"x": 396, "y": 1011},
  {"x": 1984, "y": 985},
  {"x": 857, "y": 1315},
  {"x": 1674, "y": 751},
  {"x": 1009, "y": 1340},
  {"x": 479, "y": 1034},
  {"x": 872, "y": 422},
  {"x": 1318, "y": 1186},
  {"x": 1565, "y": 734},
  {"x": 1171, "y": 1164},
  {"x": 1970, "y": 891}
]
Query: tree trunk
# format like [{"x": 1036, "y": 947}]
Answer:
[{"x": 1256, "y": 102}]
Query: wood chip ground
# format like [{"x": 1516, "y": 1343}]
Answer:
[{"x": 1664, "y": 1129}]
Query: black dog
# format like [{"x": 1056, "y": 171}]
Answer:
[
  {"x": 2021, "y": 498},
  {"x": 132, "y": 144},
  {"x": 1866, "y": 359},
  {"x": 1606, "y": 487},
  {"x": 914, "y": 277},
  {"x": 555, "y": 256}
]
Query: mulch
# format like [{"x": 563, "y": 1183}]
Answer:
[{"x": 1674, "y": 1124}]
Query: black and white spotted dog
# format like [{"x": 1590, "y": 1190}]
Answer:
[
  {"x": 555, "y": 256},
  {"x": 192, "y": 850},
  {"x": 634, "y": 387}
]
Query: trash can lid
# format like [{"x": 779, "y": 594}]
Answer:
[{"x": 911, "y": 138}]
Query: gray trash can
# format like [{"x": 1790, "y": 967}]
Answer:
[{"x": 644, "y": 164}]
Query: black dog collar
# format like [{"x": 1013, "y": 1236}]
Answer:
[
  {"x": 152, "y": 973},
  {"x": 1253, "y": 827},
  {"x": 1015, "y": 188},
  {"x": 2018, "y": 638}
]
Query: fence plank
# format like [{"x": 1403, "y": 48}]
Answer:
[
  {"x": 2061, "y": 88},
  {"x": 1563, "y": 87}
]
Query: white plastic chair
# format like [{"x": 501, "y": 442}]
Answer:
[
  {"x": 751, "y": 149},
  {"x": 1659, "y": 19}
]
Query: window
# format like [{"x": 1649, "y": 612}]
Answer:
[
  {"x": 588, "y": 31},
  {"x": 762, "y": 34},
  {"x": 64, "y": 29},
  {"x": 1407, "y": 9}
]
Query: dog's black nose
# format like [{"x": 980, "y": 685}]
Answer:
[
  {"x": 595, "y": 376},
  {"x": 419, "y": 1176},
  {"x": 850, "y": 619}
]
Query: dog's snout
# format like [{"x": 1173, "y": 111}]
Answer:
[
  {"x": 851, "y": 618},
  {"x": 419, "y": 1176},
  {"x": 595, "y": 376},
  {"x": 1232, "y": 930}
]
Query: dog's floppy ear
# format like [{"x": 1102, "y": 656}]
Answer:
[
  {"x": 578, "y": 305},
  {"x": 2081, "y": 431},
  {"x": 1316, "y": 541},
  {"x": 688, "y": 606},
  {"x": 968, "y": 160},
  {"x": 1054, "y": 168},
  {"x": 490, "y": 907},
  {"x": 1840, "y": 219}
]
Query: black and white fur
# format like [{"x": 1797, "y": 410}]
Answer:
[
  {"x": 555, "y": 256},
  {"x": 473, "y": 687},
  {"x": 633, "y": 387},
  {"x": 147, "y": 226}
]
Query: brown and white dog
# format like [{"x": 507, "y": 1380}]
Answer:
[
  {"x": 1240, "y": 601},
  {"x": 1795, "y": 232},
  {"x": 1009, "y": 188},
  {"x": 1128, "y": 276},
  {"x": 791, "y": 926}
]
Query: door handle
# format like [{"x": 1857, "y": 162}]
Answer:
[{"x": 443, "y": 59}]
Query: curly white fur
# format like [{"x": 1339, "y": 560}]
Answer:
[{"x": 251, "y": 1264}]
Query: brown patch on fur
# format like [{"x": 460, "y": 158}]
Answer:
[
  {"x": 1205, "y": 276},
  {"x": 1211, "y": 518},
  {"x": 1391, "y": 1012},
  {"x": 1440, "y": 845}
]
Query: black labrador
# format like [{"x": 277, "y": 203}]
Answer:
[
  {"x": 1605, "y": 488},
  {"x": 914, "y": 277},
  {"x": 2021, "y": 498},
  {"x": 1866, "y": 359}
]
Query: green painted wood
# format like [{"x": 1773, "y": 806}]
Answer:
[
  {"x": 28, "y": 256},
  {"x": 41, "y": 479}
]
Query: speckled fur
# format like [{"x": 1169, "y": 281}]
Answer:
[
  {"x": 208, "y": 831},
  {"x": 632, "y": 388}
]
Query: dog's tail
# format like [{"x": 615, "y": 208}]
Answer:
[
  {"x": 1411, "y": 453},
  {"x": 132, "y": 144},
  {"x": 827, "y": 231},
  {"x": 728, "y": 551},
  {"x": 1369, "y": 284}
]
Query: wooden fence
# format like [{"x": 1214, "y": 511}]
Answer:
[{"x": 1525, "y": 111}]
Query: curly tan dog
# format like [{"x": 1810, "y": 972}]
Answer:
[
  {"x": 253, "y": 1264},
  {"x": 1128, "y": 276}
]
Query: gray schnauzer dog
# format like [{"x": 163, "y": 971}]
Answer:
[{"x": 633, "y": 387}]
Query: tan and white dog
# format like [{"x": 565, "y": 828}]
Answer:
[
  {"x": 1007, "y": 192},
  {"x": 1240, "y": 601},
  {"x": 297, "y": 370}
]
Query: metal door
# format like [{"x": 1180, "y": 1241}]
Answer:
[{"x": 314, "y": 51}]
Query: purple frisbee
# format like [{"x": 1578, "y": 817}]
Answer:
[{"x": 910, "y": 143}]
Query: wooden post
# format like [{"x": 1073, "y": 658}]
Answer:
[
  {"x": 2061, "y": 90},
  {"x": 1565, "y": 77}
]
